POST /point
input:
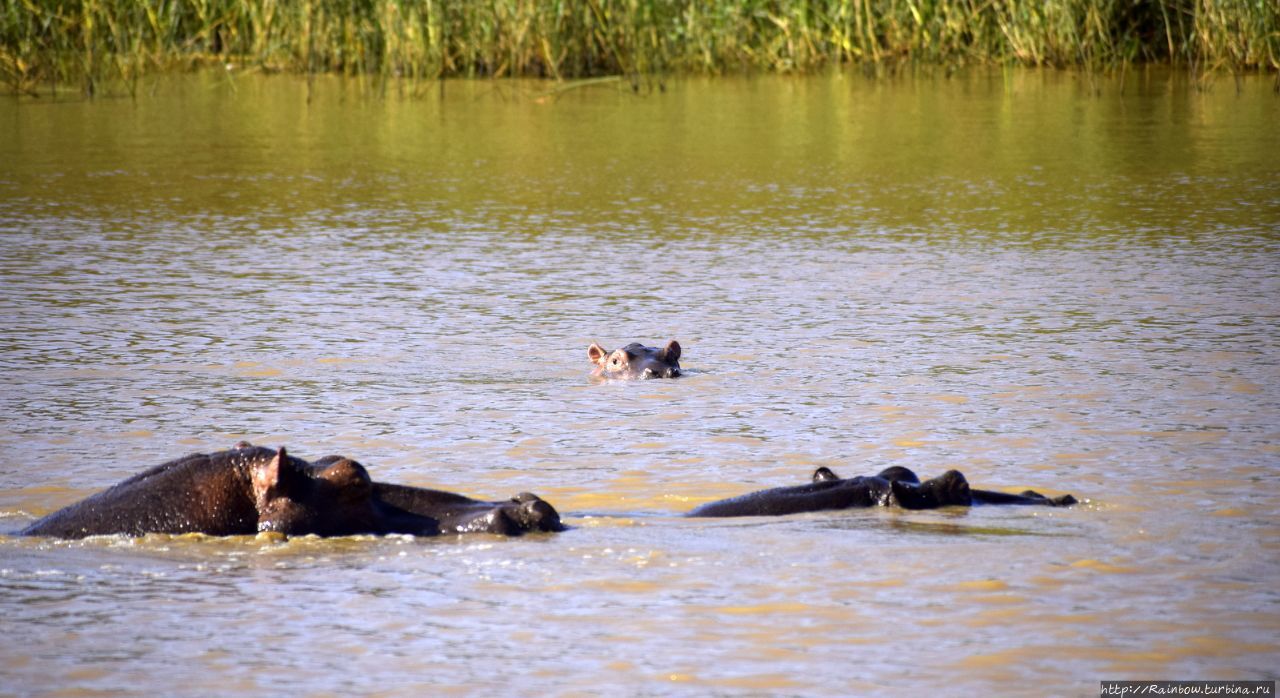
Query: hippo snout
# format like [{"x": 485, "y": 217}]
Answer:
[
  {"x": 661, "y": 373},
  {"x": 535, "y": 514}
]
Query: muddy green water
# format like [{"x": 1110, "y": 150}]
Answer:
[{"x": 1006, "y": 274}]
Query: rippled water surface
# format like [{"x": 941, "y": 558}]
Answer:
[{"x": 1015, "y": 275}]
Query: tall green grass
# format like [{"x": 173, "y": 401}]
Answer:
[{"x": 87, "y": 42}]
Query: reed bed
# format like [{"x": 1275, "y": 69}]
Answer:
[{"x": 84, "y": 43}]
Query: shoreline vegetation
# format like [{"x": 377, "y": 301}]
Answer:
[{"x": 52, "y": 45}]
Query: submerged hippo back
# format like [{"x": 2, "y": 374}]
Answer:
[
  {"x": 457, "y": 513},
  {"x": 822, "y": 494}
]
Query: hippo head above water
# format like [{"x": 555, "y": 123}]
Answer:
[
  {"x": 635, "y": 361},
  {"x": 335, "y": 500}
]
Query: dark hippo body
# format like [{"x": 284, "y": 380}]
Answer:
[
  {"x": 455, "y": 513},
  {"x": 635, "y": 361},
  {"x": 241, "y": 491},
  {"x": 895, "y": 486},
  {"x": 250, "y": 489}
]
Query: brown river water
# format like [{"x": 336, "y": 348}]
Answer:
[{"x": 1036, "y": 279}]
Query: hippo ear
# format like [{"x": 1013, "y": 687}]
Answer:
[
  {"x": 274, "y": 478},
  {"x": 671, "y": 352},
  {"x": 266, "y": 476},
  {"x": 824, "y": 474},
  {"x": 597, "y": 353}
]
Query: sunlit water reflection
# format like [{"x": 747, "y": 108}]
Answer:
[{"x": 1012, "y": 277}]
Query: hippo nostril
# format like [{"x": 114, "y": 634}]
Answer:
[{"x": 648, "y": 373}]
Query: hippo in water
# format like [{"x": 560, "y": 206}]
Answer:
[
  {"x": 250, "y": 489},
  {"x": 635, "y": 361},
  {"x": 892, "y": 486}
]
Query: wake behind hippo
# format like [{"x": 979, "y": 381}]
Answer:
[
  {"x": 896, "y": 486},
  {"x": 250, "y": 489}
]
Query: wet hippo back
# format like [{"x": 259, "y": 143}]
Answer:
[{"x": 199, "y": 493}]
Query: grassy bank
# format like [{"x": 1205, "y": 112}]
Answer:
[{"x": 88, "y": 42}]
